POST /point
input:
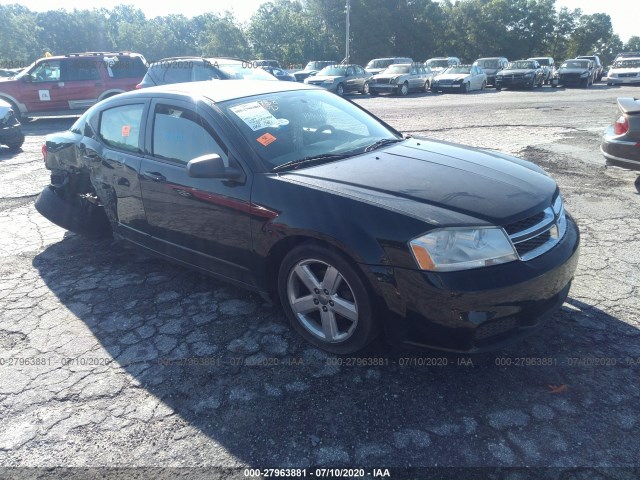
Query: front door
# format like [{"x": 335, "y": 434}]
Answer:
[{"x": 204, "y": 222}]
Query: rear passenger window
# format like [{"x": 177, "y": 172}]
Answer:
[
  {"x": 120, "y": 127},
  {"x": 177, "y": 73},
  {"x": 122, "y": 66},
  {"x": 77, "y": 70},
  {"x": 180, "y": 135}
]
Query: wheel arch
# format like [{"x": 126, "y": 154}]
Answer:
[
  {"x": 110, "y": 93},
  {"x": 280, "y": 249}
]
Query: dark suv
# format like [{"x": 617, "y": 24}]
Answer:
[
  {"x": 69, "y": 84},
  {"x": 195, "y": 69}
]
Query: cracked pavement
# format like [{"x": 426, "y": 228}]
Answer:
[{"x": 113, "y": 358}]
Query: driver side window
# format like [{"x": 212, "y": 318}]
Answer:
[
  {"x": 47, "y": 71},
  {"x": 180, "y": 135}
]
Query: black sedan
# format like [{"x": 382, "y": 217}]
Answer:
[
  {"x": 621, "y": 142},
  {"x": 578, "y": 72},
  {"x": 307, "y": 198},
  {"x": 520, "y": 74}
]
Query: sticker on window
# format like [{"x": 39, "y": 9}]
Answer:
[
  {"x": 44, "y": 95},
  {"x": 126, "y": 130},
  {"x": 266, "y": 139},
  {"x": 255, "y": 116}
]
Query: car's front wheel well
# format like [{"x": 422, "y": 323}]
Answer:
[{"x": 283, "y": 247}]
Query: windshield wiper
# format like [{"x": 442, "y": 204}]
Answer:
[
  {"x": 382, "y": 143},
  {"x": 325, "y": 157}
]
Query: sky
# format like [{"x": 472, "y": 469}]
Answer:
[{"x": 624, "y": 13}]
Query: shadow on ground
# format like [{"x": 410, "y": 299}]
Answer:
[{"x": 570, "y": 407}]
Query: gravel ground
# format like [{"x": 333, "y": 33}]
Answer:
[{"x": 110, "y": 358}]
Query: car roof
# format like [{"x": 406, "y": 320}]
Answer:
[{"x": 222, "y": 90}]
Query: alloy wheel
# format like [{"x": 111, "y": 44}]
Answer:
[{"x": 322, "y": 300}]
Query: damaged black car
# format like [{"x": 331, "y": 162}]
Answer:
[{"x": 310, "y": 200}]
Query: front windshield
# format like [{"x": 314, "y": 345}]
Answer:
[
  {"x": 543, "y": 61},
  {"x": 333, "y": 71},
  {"x": 288, "y": 126},
  {"x": 521, "y": 65},
  {"x": 438, "y": 63},
  {"x": 398, "y": 69},
  {"x": 238, "y": 71},
  {"x": 457, "y": 70},
  {"x": 574, "y": 64},
  {"x": 314, "y": 66},
  {"x": 487, "y": 63},
  {"x": 632, "y": 63},
  {"x": 379, "y": 63}
]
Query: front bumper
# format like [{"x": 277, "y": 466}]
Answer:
[
  {"x": 447, "y": 86},
  {"x": 383, "y": 87},
  {"x": 568, "y": 81},
  {"x": 516, "y": 82},
  {"x": 480, "y": 309},
  {"x": 619, "y": 151},
  {"x": 622, "y": 80}
]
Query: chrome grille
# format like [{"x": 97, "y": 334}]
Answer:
[
  {"x": 382, "y": 81},
  {"x": 539, "y": 233}
]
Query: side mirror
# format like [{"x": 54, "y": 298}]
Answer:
[
  {"x": 27, "y": 78},
  {"x": 212, "y": 166}
]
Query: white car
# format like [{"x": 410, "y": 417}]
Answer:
[
  {"x": 625, "y": 70},
  {"x": 461, "y": 78}
]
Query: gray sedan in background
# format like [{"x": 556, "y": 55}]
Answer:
[
  {"x": 341, "y": 79},
  {"x": 401, "y": 78}
]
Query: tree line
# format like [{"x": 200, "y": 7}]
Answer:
[{"x": 296, "y": 31}]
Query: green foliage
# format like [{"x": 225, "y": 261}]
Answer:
[
  {"x": 296, "y": 31},
  {"x": 633, "y": 44}
]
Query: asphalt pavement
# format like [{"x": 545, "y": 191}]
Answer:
[{"x": 111, "y": 358}]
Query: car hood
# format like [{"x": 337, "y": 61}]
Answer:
[
  {"x": 452, "y": 76},
  {"x": 419, "y": 174},
  {"x": 572, "y": 70},
  {"x": 319, "y": 78},
  {"x": 517, "y": 71},
  {"x": 490, "y": 71},
  {"x": 389, "y": 75}
]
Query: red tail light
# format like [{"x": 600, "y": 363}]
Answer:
[
  {"x": 621, "y": 126},
  {"x": 138, "y": 86},
  {"x": 44, "y": 152}
]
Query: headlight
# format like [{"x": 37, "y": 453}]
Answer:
[
  {"x": 329, "y": 81},
  {"x": 612, "y": 75},
  {"x": 454, "y": 249},
  {"x": 530, "y": 74},
  {"x": 459, "y": 80},
  {"x": 584, "y": 75},
  {"x": 394, "y": 80}
]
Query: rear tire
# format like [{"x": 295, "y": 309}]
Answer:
[
  {"x": 637, "y": 183},
  {"x": 325, "y": 299},
  {"x": 77, "y": 215}
]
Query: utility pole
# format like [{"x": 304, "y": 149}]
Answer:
[{"x": 348, "y": 11}]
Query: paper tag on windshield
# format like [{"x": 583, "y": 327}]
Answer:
[{"x": 255, "y": 116}]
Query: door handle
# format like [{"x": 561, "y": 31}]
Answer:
[{"x": 154, "y": 176}]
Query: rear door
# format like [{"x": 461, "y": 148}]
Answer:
[
  {"x": 112, "y": 148},
  {"x": 80, "y": 82},
  {"x": 203, "y": 222}
]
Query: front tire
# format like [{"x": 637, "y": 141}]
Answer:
[
  {"x": 366, "y": 89},
  {"x": 427, "y": 86},
  {"x": 326, "y": 300},
  {"x": 340, "y": 89},
  {"x": 464, "y": 88},
  {"x": 637, "y": 183},
  {"x": 403, "y": 89}
]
